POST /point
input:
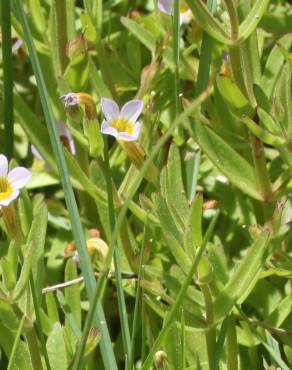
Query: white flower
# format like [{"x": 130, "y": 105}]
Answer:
[
  {"x": 122, "y": 124},
  {"x": 11, "y": 182},
  {"x": 166, "y": 6}
]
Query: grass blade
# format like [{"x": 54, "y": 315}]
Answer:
[
  {"x": 85, "y": 262},
  {"x": 7, "y": 77}
]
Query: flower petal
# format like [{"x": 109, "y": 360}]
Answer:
[
  {"x": 185, "y": 17},
  {"x": 6, "y": 202},
  {"x": 35, "y": 153},
  {"x": 107, "y": 129},
  {"x": 165, "y": 6},
  {"x": 3, "y": 166},
  {"x": 19, "y": 177},
  {"x": 110, "y": 109},
  {"x": 124, "y": 136},
  {"x": 132, "y": 110},
  {"x": 137, "y": 130}
]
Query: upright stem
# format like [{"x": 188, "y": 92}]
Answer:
[
  {"x": 34, "y": 351},
  {"x": 61, "y": 21},
  {"x": 211, "y": 330},
  {"x": 262, "y": 174},
  {"x": 176, "y": 47},
  {"x": 238, "y": 56},
  {"x": 7, "y": 77},
  {"x": 231, "y": 341},
  {"x": 117, "y": 261}
]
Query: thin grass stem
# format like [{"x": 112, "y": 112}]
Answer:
[
  {"x": 7, "y": 77},
  {"x": 15, "y": 344},
  {"x": 121, "y": 299},
  {"x": 206, "y": 55},
  {"x": 137, "y": 301},
  {"x": 176, "y": 47},
  {"x": 85, "y": 262}
]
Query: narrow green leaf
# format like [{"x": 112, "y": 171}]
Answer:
[
  {"x": 274, "y": 65},
  {"x": 11, "y": 363},
  {"x": 252, "y": 20},
  {"x": 195, "y": 220},
  {"x": 226, "y": 159},
  {"x": 37, "y": 237},
  {"x": 72, "y": 299},
  {"x": 71, "y": 320},
  {"x": 7, "y": 77},
  {"x": 9, "y": 265},
  {"x": 38, "y": 17},
  {"x": 56, "y": 348},
  {"x": 243, "y": 279},
  {"x": 25, "y": 271},
  {"x": 268, "y": 122},
  {"x": 237, "y": 102},
  {"x": 174, "y": 191},
  {"x": 208, "y": 22},
  {"x": 147, "y": 39},
  {"x": 262, "y": 133},
  {"x": 22, "y": 360}
]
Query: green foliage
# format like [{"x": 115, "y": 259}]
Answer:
[{"x": 102, "y": 268}]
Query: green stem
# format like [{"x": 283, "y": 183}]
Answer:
[
  {"x": 7, "y": 77},
  {"x": 15, "y": 344},
  {"x": 231, "y": 343},
  {"x": 176, "y": 42},
  {"x": 183, "y": 342},
  {"x": 32, "y": 342},
  {"x": 211, "y": 330},
  {"x": 233, "y": 16},
  {"x": 137, "y": 301},
  {"x": 239, "y": 60},
  {"x": 144, "y": 322},
  {"x": 206, "y": 56},
  {"x": 88, "y": 322},
  {"x": 262, "y": 174},
  {"x": 38, "y": 323},
  {"x": 61, "y": 21},
  {"x": 117, "y": 261}
]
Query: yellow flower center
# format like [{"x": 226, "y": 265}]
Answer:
[
  {"x": 184, "y": 7},
  {"x": 5, "y": 188},
  {"x": 123, "y": 125}
]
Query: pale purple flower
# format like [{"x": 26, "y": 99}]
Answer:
[
  {"x": 11, "y": 182},
  {"x": 71, "y": 99},
  {"x": 166, "y": 6},
  {"x": 66, "y": 138},
  {"x": 122, "y": 124}
]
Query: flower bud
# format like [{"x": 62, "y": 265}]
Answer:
[
  {"x": 77, "y": 46},
  {"x": 160, "y": 360}
]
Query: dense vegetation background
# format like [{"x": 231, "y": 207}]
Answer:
[{"x": 171, "y": 251}]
